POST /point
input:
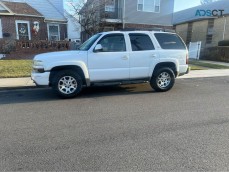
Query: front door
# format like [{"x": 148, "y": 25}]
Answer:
[{"x": 112, "y": 62}]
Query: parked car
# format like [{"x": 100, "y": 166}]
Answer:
[{"x": 117, "y": 57}]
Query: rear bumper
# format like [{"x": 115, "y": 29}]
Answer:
[
  {"x": 184, "y": 69},
  {"x": 40, "y": 79}
]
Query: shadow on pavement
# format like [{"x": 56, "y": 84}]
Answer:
[{"x": 46, "y": 94}]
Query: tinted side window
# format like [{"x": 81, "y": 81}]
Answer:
[
  {"x": 169, "y": 41},
  {"x": 141, "y": 42},
  {"x": 113, "y": 43}
]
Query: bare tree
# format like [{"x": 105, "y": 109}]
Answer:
[
  {"x": 206, "y": 1},
  {"x": 88, "y": 14}
]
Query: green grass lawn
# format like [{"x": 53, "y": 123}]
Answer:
[
  {"x": 194, "y": 67},
  {"x": 15, "y": 68},
  {"x": 207, "y": 65}
]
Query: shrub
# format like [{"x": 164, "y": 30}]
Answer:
[{"x": 223, "y": 43}]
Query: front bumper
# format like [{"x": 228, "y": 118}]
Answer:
[{"x": 40, "y": 79}]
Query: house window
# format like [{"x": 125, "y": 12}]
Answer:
[
  {"x": 54, "y": 32},
  {"x": 157, "y": 6},
  {"x": 23, "y": 30},
  {"x": 110, "y": 6},
  {"x": 149, "y": 5},
  {"x": 0, "y": 28},
  {"x": 210, "y": 31}
]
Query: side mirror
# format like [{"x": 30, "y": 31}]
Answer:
[{"x": 98, "y": 48}]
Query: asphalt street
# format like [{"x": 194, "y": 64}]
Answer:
[{"x": 128, "y": 128}]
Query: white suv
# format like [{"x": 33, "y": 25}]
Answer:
[{"x": 120, "y": 57}]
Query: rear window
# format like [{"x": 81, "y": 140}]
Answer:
[{"x": 169, "y": 41}]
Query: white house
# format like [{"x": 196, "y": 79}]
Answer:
[{"x": 74, "y": 28}]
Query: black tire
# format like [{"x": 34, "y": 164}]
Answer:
[
  {"x": 67, "y": 84},
  {"x": 163, "y": 79}
]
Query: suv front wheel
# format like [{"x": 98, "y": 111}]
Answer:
[
  {"x": 67, "y": 84},
  {"x": 163, "y": 79}
]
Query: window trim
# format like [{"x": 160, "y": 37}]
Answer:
[
  {"x": 53, "y": 24},
  {"x": 153, "y": 11},
  {"x": 159, "y": 6},
  {"x": 142, "y": 5},
  {"x": 1, "y": 36},
  {"x": 28, "y": 24}
]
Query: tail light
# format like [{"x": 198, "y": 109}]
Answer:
[{"x": 187, "y": 58}]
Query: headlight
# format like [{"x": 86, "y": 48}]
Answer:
[
  {"x": 38, "y": 66},
  {"x": 37, "y": 63}
]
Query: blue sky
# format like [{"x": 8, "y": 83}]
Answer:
[
  {"x": 184, "y": 4},
  {"x": 179, "y": 4}
]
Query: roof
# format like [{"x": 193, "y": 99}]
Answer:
[
  {"x": 189, "y": 15},
  {"x": 48, "y": 9},
  {"x": 20, "y": 8}
]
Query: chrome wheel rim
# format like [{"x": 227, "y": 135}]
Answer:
[
  {"x": 67, "y": 85},
  {"x": 163, "y": 80}
]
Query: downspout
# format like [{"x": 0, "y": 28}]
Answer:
[
  {"x": 224, "y": 28},
  {"x": 123, "y": 14}
]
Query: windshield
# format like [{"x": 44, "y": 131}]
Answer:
[{"x": 87, "y": 44}]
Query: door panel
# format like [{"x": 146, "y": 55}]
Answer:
[
  {"x": 112, "y": 63},
  {"x": 140, "y": 63},
  {"x": 142, "y": 55}
]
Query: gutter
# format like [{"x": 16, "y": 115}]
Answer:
[
  {"x": 28, "y": 15},
  {"x": 55, "y": 21}
]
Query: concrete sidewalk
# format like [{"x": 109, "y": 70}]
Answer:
[
  {"x": 206, "y": 73},
  {"x": 14, "y": 83}
]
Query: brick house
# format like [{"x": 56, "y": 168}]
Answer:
[
  {"x": 22, "y": 22},
  {"x": 30, "y": 27},
  {"x": 29, "y": 20}
]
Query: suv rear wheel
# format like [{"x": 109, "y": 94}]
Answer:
[
  {"x": 67, "y": 84},
  {"x": 163, "y": 79}
]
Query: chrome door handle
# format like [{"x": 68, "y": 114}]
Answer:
[{"x": 153, "y": 55}]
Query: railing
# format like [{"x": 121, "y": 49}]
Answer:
[
  {"x": 33, "y": 45},
  {"x": 42, "y": 45},
  {"x": 15, "y": 49}
]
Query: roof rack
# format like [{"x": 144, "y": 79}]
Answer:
[{"x": 150, "y": 29}]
